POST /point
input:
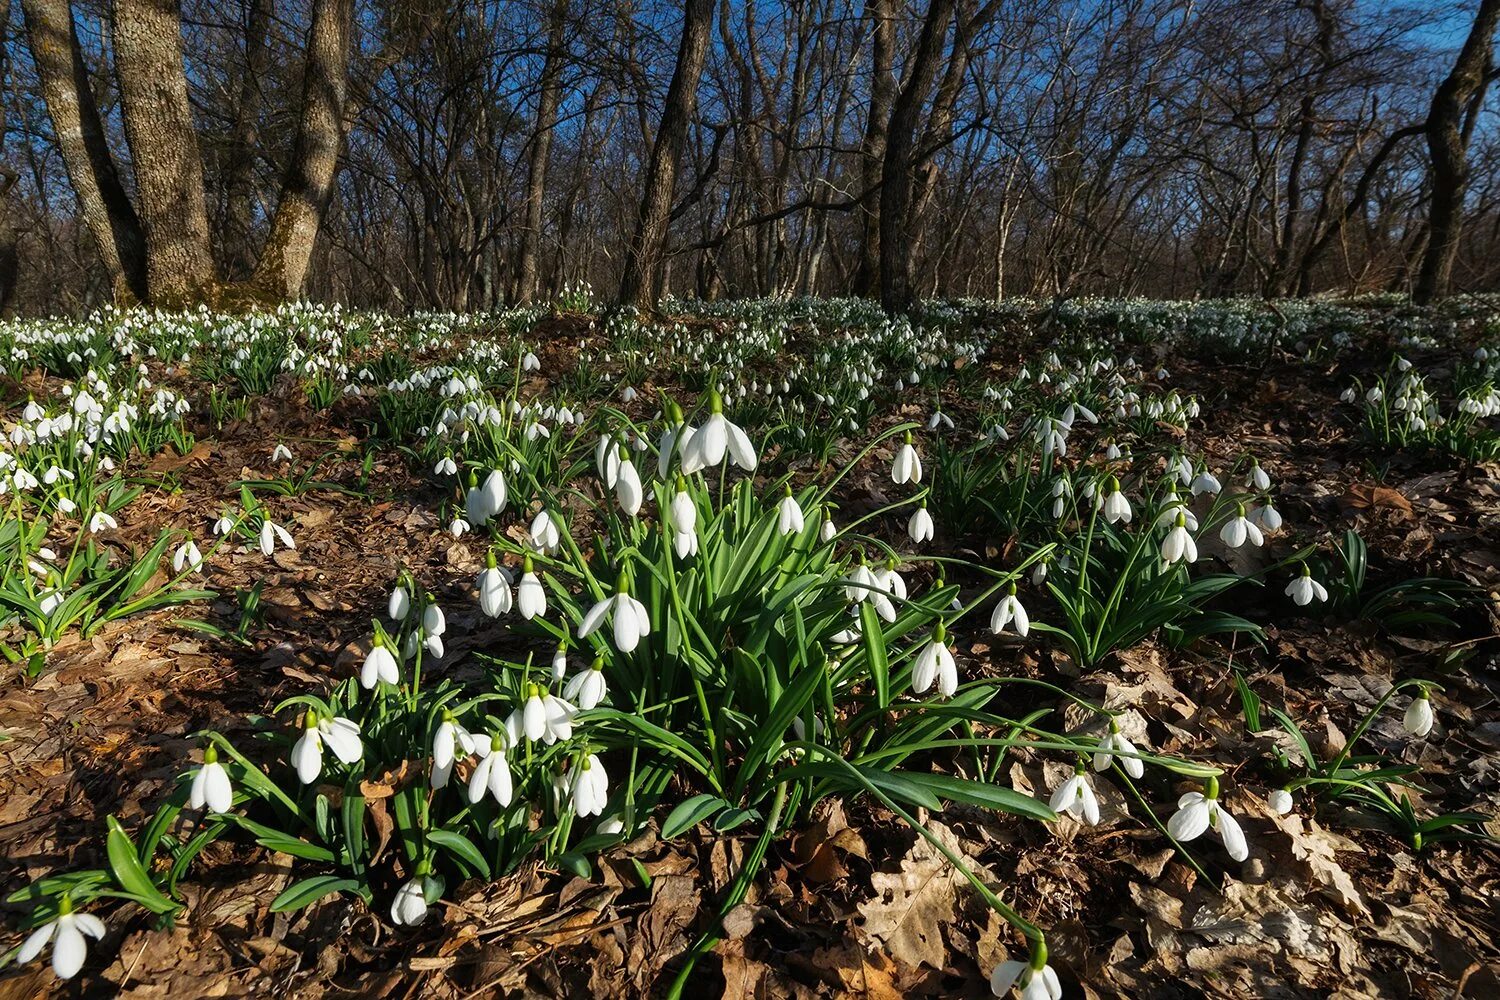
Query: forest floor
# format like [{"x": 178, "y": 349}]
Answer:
[{"x": 854, "y": 904}]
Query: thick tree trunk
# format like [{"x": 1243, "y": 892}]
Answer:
[
  {"x": 239, "y": 180},
  {"x": 872, "y": 146},
  {"x": 102, "y": 201},
  {"x": 541, "y": 150},
  {"x": 641, "y": 285},
  {"x": 1448, "y": 142},
  {"x": 147, "y": 37},
  {"x": 898, "y": 171},
  {"x": 308, "y": 185}
]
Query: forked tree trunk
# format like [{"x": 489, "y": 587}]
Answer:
[
  {"x": 642, "y": 282},
  {"x": 308, "y": 185},
  {"x": 147, "y": 36},
  {"x": 1448, "y": 133},
  {"x": 541, "y": 149},
  {"x": 102, "y": 201}
]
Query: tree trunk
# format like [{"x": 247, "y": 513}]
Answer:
[
  {"x": 641, "y": 284},
  {"x": 102, "y": 201},
  {"x": 899, "y": 168},
  {"x": 541, "y": 149},
  {"x": 239, "y": 180},
  {"x": 872, "y": 146},
  {"x": 308, "y": 184},
  {"x": 1448, "y": 142},
  {"x": 147, "y": 36}
]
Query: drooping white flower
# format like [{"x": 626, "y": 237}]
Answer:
[
  {"x": 919, "y": 528},
  {"x": 1010, "y": 612},
  {"x": 211, "y": 785},
  {"x": 494, "y": 588},
  {"x": 281, "y": 453},
  {"x": 380, "y": 665},
  {"x": 1035, "y": 982},
  {"x": 187, "y": 555},
  {"x": 105, "y": 522},
  {"x": 862, "y": 585},
  {"x": 492, "y": 773},
  {"x": 1279, "y": 801},
  {"x": 589, "y": 787},
  {"x": 789, "y": 519},
  {"x": 631, "y": 622},
  {"x": 409, "y": 908},
  {"x": 717, "y": 437},
  {"x": 399, "y": 604},
  {"x": 446, "y": 466},
  {"x": 434, "y": 622},
  {"x": 1419, "y": 717},
  {"x": 224, "y": 525},
  {"x": 1205, "y": 482},
  {"x": 1304, "y": 589},
  {"x": 1239, "y": 529},
  {"x": 674, "y": 442},
  {"x": 907, "y": 465},
  {"x": 544, "y": 534},
  {"x": 68, "y": 933},
  {"x": 543, "y": 716},
  {"x": 1116, "y": 506},
  {"x": 1198, "y": 812},
  {"x": 531, "y": 596},
  {"x": 935, "y": 663},
  {"x": 1115, "y": 745},
  {"x": 270, "y": 532},
  {"x": 1179, "y": 546},
  {"x": 587, "y": 688},
  {"x": 1256, "y": 478},
  {"x": 1267, "y": 518},
  {"x": 451, "y": 742},
  {"x": 1076, "y": 796},
  {"x": 339, "y": 734}
]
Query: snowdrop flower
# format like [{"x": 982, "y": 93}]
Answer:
[
  {"x": 939, "y": 419},
  {"x": 907, "y": 466},
  {"x": 224, "y": 525},
  {"x": 560, "y": 661},
  {"x": 531, "y": 597},
  {"x": 590, "y": 787},
  {"x": 211, "y": 784},
  {"x": 531, "y": 363},
  {"x": 631, "y": 622},
  {"x": 1062, "y": 489},
  {"x": 1418, "y": 718},
  {"x": 1257, "y": 478},
  {"x": 494, "y": 588},
  {"x": 717, "y": 437},
  {"x": 543, "y": 716},
  {"x": 862, "y": 585},
  {"x": 409, "y": 908},
  {"x": 920, "y": 527},
  {"x": 789, "y": 518},
  {"x": 434, "y": 622},
  {"x": 339, "y": 734},
  {"x": 1266, "y": 518},
  {"x": 935, "y": 663},
  {"x": 1010, "y": 612},
  {"x": 587, "y": 688},
  {"x": 544, "y": 534},
  {"x": 1279, "y": 801},
  {"x": 270, "y": 531},
  {"x": 102, "y": 522},
  {"x": 827, "y": 530},
  {"x": 67, "y": 933},
  {"x": 1116, "y": 507},
  {"x": 380, "y": 665},
  {"x": 1205, "y": 482},
  {"x": 1347, "y": 395},
  {"x": 674, "y": 441},
  {"x": 1115, "y": 745},
  {"x": 1304, "y": 589},
  {"x": 281, "y": 454},
  {"x": 458, "y": 527},
  {"x": 1076, "y": 796},
  {"x": 446, "y": 466},
  {"x": 1240, "y": 529},
  {"x": 187, "y": 555},
  {"x": 492, "y": 773},
  {"x": 628, "y": 487},
  {"x": 1034, "y": 979},
  {"x": 1179, "y": 546},
  {"x": 1039, "y": 571},
  {"x": 1200, "y": 811},
  {"x": 449, "y": 738},
  {"x": 399, "y": 604}
]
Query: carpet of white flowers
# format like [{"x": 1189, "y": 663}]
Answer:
[{"x": 756, "y": 649}]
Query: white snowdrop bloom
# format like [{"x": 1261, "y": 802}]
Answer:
[
  {"x": 434, "y": 622},
  {"x": 1375, "y": 394},
  {"x": 935, "y": 663},
  {"x": 492, "y": 773},
  {"x": 531, "y": 363},
  {"x": 939, "y": 419},
  {"x": 1076, "y": 796},
  {"x": 102, "y": 522},
  {"x": 270, "y": 532},
  {"x": 862, "y": 586},
  {"x": 451, "y": 742},
  {"x": 631, "y": 622},
  {"x": 919, "y": 528},
  {"x": 827, "y": 530},
  {"x": 545, "y": 536},
  {"x": 1039, "y": 571},
  {"x": 446, "y": 466},
  {"x": 717, "y": 437},
  {"x": 433, "y": 644},
  {"x": 1116, "y": 506},
  {"x": 628, "y": 488},
  {"x": 889, "y": 580},
  {"x": 542, "y": 716},
  {"x": 560, "y": 661},
  {"x": 409, "y": 908},
  {"x": 674, "y": 442},
  {"x": 224, "y": 525},
  {"x": 531, "y": 596},
  {"x": 1179, "y": 546},
  {"x": 458, "y": 527},
  {"x": 68, "y": 933},
  {"x": 1267, "y": 518},
  {"x": 24, "y": 481},
  {"x": 32, "y": 412},
  {"x": 187, "y": 555},
  {"x": 789, "y": 519},
  {"x": 1009, "y": 611},
  {"x": 1347, "y": 395},
  {"x": 1303, "y": 590},
  {"x": 281, "y": 454},
  {"x": 1198, "y": 812},
  {"x": 1419, "y": 717},
  {"x": 1257, "y": 479},
  {"x": 494, "y": 584},
  {"x": 1279, "y": 801},
  {"x": 379, "y": 665},
  {"x": 1238, "y": 530},
  {"x": 907, "y": 465},
  {"x": 1205, "y": 482},
  {"x": 589, "y": 787},
  {"x": 628, "y": 394},
  {"x": 398, "y": 605},
  {"x": 1114, "y": 746},
  {"x": 587, "y": 688},
  {"x": 211, "y": 785},
  {"x": 339, "y": 734},
  {"x": 1038, "y": 983}
]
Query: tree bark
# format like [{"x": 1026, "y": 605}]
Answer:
[
  {"x": 102, "y": 201},
  {"x": 239, "y": 180},
  {"x": 147, "y": 36},
  {"x": 541, "y": 148},
  {"x": 641, "y": 284},
  {"x": 1448, "y": 142},
  {"x": 899, "y": 167},
  {"x": 872, "y": 146},
  {"x": 308, "y": 184}
]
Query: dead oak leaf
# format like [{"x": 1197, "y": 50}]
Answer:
[{"x": 910, "y": 906}]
